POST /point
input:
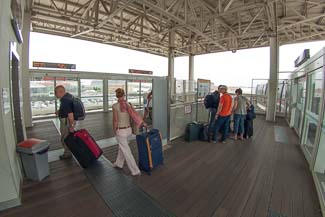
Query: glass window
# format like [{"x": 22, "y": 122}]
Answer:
[
  {"x": 146, "y": 87},
  {"x": 301, "y": 97},
  {"x": 92, "y": 94},
  {"x": 42, "y": 96},
  {"x": 179, "y": 86},
  {"x": 281, "y": 96},
  {"x": 316, "y": 87},
  {"x": 112, "y": 86},
  {"x": 311, "y": 135},
  {"x": 288, "y": 100},
  {"x": 70, "y": 84},
  {"x": 134, "y": 94},
  {"x": 301, "y": 94}
]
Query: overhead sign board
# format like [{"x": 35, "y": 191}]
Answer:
[
  {"x": 302, "y": 58},
  {"x": 143, "y": 72},
  {"x": 53, "y": 65}
]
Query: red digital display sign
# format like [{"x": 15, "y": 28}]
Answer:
[
  {"x": 143, "y": 72},
  {"x": 53, "y": 65}
]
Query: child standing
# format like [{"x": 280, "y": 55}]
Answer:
[{"x": 248, "y": 124}]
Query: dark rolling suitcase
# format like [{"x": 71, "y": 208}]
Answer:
[
  {"x": 192, "y": 131},
  {"x": 83, "y": 147},
  {"x": 204, "y": 134},
  {"x": 150, "y": 150}
]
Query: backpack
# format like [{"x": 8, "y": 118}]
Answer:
[
  {"x": 211, "y": 100},
  {"x": 79, "y": 112}
]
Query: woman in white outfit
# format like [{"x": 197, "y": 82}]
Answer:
[{"x": 123, "y": 130}]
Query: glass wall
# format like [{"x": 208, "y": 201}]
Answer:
[
  {"x": 134, "y": 93},
  {"x": 146, "y": 88},
  {"x": 281, "y": 100},
  {"x": 92, "y": 94},
  {"x": 288, "y": 99},
  {"x": 300, "y": 104},
  {"x": 320, "y": 157},
  {"x": 314, "y": 100},
  {"x": 112, "y": 86},
  {"x": 42, "y": 96}
]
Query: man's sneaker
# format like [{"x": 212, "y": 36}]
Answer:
[
  {"x": 65, "y": 156},
  {"x": 224, "y": 142}
]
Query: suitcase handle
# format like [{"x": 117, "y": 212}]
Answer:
[{"x": 144, "y": 129}]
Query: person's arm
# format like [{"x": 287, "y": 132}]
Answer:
[
  {"x": 248, "y": 103},
  {"x": 235, "y": 105},
  {"x": 219, "y": 109},
  {"x": 67, "y": 106},
  {"x": 71, "y": 122},
  {"x": 115, "y": 121},
  {"x": 146, "y": 111}
]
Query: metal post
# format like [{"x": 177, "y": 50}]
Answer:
[
  {"x": 27, "y": 114},
  {"x": 140, "y": 94},
  {"x": 79, "y": 87},
  {"x": 191, "y": 72},
  {"x": 185, "y": 94},
  {"x": 126, "y": 89},
  {"x": 171, "y": 63},
  {"x": 105, "y": 95},
  {"x": 55, "y": 99},
  {"x": 273, "y": 80}
]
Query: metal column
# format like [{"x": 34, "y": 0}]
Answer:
[
  {"x": 273, "y": 79},
  {"x": 191, "y": 73},
  {"x": 27, "y": 114},
  {"x": 105, "y": 95},
  {"x": 171, "y": 64}
]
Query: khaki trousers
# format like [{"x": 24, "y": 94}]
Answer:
[
  {"x": 64, "y": 130},
  {"x": 124, "y": 151}
]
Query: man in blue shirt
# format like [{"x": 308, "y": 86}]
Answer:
[
  {"x": 65, "y": 113},
  {"x": 212, "y": 112}
]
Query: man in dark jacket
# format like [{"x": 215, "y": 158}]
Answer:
[
  {"x": 65, "y": 113},
  {"x": 213, "y": 111}
]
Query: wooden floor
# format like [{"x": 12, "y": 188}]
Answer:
[
  {"x": 66, "y": 193},
  {"x": 47, "y": 131},
  {"x": 251, "y": 178}
]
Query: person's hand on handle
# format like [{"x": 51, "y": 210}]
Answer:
[
  {"x": 145, "y": 124},
  {"x": 71, "y": 129}
]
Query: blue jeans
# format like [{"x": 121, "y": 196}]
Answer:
[
  {"x": 222, "y": 123},
  {"x": 213, "y": 112},
  {"x": 239, "y": 123}
]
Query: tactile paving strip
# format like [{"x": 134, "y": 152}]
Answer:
[{"x": 124, "y": 198}]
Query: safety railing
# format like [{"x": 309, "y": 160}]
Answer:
[{"x": 96, "y": 90}]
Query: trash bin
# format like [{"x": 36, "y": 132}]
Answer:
[{"x": 34, "y": 156}]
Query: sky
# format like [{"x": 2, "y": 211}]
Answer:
[{"x": 232, "y": 69}]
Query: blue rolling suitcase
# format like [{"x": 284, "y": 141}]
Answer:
[{"x": 150, "y": 150}]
